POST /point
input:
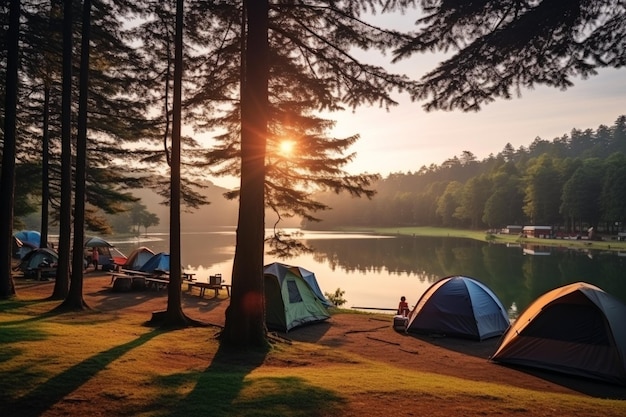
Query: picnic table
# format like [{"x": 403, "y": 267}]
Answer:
[{"x": 215, "y": 283}]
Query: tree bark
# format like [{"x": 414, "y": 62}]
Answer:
[
  {"x": 245, "y": 317},
  {"x": 174, "y": 315},
  {"x": 61, "y": 288},
  {"x": 75, "y": 300},
  {"x": 45, "y": 168},
  {"x": 7, "y": 182}
]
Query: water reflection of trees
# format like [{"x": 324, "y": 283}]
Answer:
[{"x": 513, "y": 276}]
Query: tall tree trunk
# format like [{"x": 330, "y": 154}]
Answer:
[
  {"x": 45, "y": 167},
  {"x": 174, "y": 315},
  {"x": 7, "y": 182},
  {"x": 74, "y": 300},
  {"x": 245, "y": 317},
  {"x": 61, "y": 288}
]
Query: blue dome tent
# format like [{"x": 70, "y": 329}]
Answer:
[
  {"x": 459, "y": 306},
  {"x": 159, "y": 263},
  {"x": 30, "y": 237}
]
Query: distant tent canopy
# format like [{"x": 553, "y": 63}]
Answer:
[
  {"x": 576, "y": 329},
  {"x": 159, "y": 263},
  {"x": 29, "y": 237},
  {"x": 25, "y": 241},
  {"x": 108, "y": 254},
  {"x": 37, "y": 258},
  {"x": 459, "y": 306},
  {"x": 97, "y": 242},
  {"x": 138, "y": 258},
  {"x": 290, "y": 300}
]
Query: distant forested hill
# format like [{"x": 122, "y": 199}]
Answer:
[
  {"x": 573, "y": 182},
  {"x": 221, "y": 212}
]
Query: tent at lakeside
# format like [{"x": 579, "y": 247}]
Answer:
[
  {"x": 290, "y": 301},
  {"x": 459, "y": 306},
  {"x": 158, "y": 263},
  {"x": 138, "y": 258},
  {"x": 280, "y": 270},
  {"x": 108, "y": 254},
  {"x": 577, "y": 329}
]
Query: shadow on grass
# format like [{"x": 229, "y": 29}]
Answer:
[
  {"x": 56, "y": 388},
  {"x": 480, "y": 349},
  {"x": 7, "y": 306},
  {"x": 590, "y": 387},
  {"x": 484, "y": 349},
  {"x": 223, "y": 390},
  {"x": 14, "y": 334},
  {"x": 110, "y": 300},
  {"x": 14, "y": 306}
]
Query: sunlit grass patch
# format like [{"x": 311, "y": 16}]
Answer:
[{"x": 63, "y": 364}]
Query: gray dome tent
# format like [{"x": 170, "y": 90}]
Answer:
[
  {"x": 37, "y": 258},
  {"x": 459, "y": 306},
  {"x": 577, "y": 329}
]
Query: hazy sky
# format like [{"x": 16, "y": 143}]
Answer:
[{"x": 406, "y": 137}]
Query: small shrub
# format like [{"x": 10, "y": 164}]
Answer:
[{"x": 337, "y": 297}]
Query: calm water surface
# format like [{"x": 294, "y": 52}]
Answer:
[{"x": 375, "y": 271}]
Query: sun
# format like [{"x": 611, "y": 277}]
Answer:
[{"x": 286, "y": 147}]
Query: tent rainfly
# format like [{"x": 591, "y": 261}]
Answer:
[
  {"x": 459, "y": 306},
  {"x": 577, "y": 329}
]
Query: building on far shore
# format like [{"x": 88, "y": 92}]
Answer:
[
  {"x": 511, "y": 230},
  {"x": 537, "y": 231}
]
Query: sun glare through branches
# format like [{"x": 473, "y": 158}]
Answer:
[{"x": 286, "y": 148}]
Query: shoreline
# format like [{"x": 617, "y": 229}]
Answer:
[{"x": 604, "y": 245}]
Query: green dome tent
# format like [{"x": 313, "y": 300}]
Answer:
[
  {"x": 290, "y": 301},
  {"x": 576, "y": 329}
]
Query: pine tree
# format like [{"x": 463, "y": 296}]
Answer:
[
  {"x": 309, "y": 68},
  {"x": 503, "y": 46}
]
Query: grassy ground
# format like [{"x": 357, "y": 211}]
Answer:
[
  {"x": 107, "y": 362},
  {"x": 612, "y": 245}
]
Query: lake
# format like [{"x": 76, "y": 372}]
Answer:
[{"x": 374, "y": 271}]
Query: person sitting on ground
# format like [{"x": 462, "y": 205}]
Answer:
[{"x": 403, "y": 307}]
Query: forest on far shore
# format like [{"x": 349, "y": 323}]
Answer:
[{"x": 573, "y": 182}]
